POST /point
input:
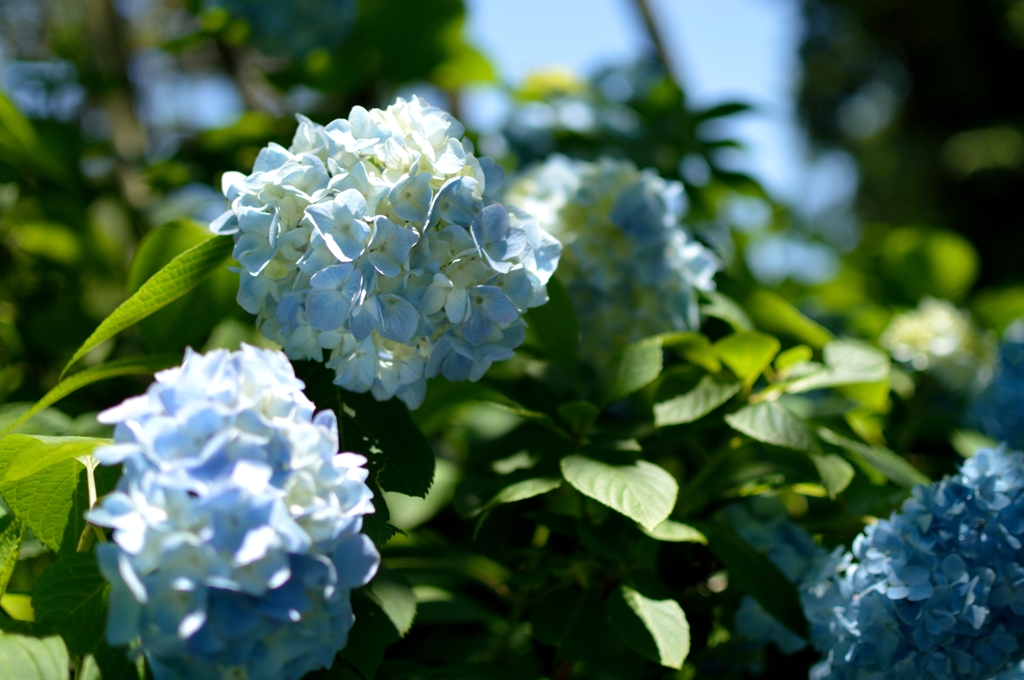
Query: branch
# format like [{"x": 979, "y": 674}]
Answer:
[{"x": 655, "y": 37}]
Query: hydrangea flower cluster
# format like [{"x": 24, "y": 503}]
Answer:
[
  {"x": 936, "y": 590},
  {"x": 631, "y": 267},
  {"x": 939, "y": 338},
  {"x": 236, "y": 522},
  {"x": 764, "y": 524},
  {"x": 377, "y": 240},
  {"x": 999, "y": 409}
]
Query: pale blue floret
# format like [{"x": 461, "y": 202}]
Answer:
[
  {"x": 236, "y": 523},
  {"x": 390, "y": 246},
  {"x": 339, "y": 223},
  {"x": 935, "y": 590},
  {"x": 257, "y": 244},
  {"x": 410, "y": 198},
  {"x": 334, "y": 290},
  {"x": 631, "y": 266},
  {"x": 377, "y": 237},
  {"x": 496, "y": 239}
]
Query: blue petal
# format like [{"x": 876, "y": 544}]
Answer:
[
  {"x": 327, "y": 309},
  {"x": 493, "y": 304},
  {"x": 334, "y": 276},
  {"x": 367, "y": 321},
  {"x": 410, "y": 198},
  {"x": 359, "y": 373},
  {"x": 356, "y": 560},
  {"x": 398, "y": 318},
  {"x": 477, "y": 328},
  {"x": 496, "y": 240},
  {"x": 456, "y": 367}
]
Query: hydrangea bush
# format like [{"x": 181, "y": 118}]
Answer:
[
  {"x": 374, "y": 243},
  {"x": 631, "y": 267},
  {"x": 935, "y": 590},
  {"x": 236, "y": 524},
  {"x": 939, "y": 338},
  {"x": 606, "y": 506}
]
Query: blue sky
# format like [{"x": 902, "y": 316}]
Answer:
[{"x": 721, "y": 50}]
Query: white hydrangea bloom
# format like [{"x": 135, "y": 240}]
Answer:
[
  {"x": 630, "y": 265},
  {"x": 939, "y": 338},
  {"x": 374, "y": 243}
]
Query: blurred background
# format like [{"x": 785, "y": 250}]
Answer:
[{"x": 856, "y": 156}]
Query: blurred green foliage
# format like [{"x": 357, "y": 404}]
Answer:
[{"x": 570, "y": 526}]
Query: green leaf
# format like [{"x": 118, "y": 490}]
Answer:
[
  {"x": 967, "y": 442},
  {"x": 675, "y": 532},
  {"x": 644, "y": 492},
  {"x": 836, "y": 474},
  {"x": 695, "y": 348},
  {"x": 656, "y": 629},
  {"x": 556, "y": 326},
  {"x": 10, "y": 546},
  {"x": 70, "y": 599},
  {"x": 372, "y": 633},
  {"x": 106, "y": 478},
  {"x": 31, "y": 454},
  {"x": 708, "y": 395},
  {"x": 29, "y": 658},
  {"x": 590, "y": 637},
  {"x": 879, "y": 458},
  {"x": 997, "y": 308},
  {"x": 925, "y": 261},
  {"x": 395, "y": 599},
  {"x": 555, "y": 615},
  {"x": 794, "y": 356},
  {"x": 777, "y": 315},
  {"x": 465, "y": 64},
  {"x": 747, "y": 354},
  {"x": 188, "y": 320},
  {"x": 520, "y": 491},
  {"x": 144, "y": 365},
  {"x": 181, "y": 275},
  {"x": 721, "y": 110},
  {"x": 377, "y": 525},
  {"x": 771, "y": 423},
  {"x": 638, "y": 365},
  {"x": 503, "y": 403},
  {"x": 725, "y": 308},
  {"x": 19, "y": 143},
  {"x": 754, "y": 574},
  {"x": 114, "y": 663},
  {"x": 384, "y": 431},
  {"x": 579, "y": 415},
  {"x": 847, "y": 362},
  {"x": 43, "y": 500}
]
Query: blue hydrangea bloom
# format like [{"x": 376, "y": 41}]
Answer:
[
  {"x": 377, "y": 241},
  {"x": 631, "y": 267},
  {"x": 764, "y": 524},
  {"x": 999, "y": 410},
  {"x": 936, "y": 590},
  {"x": 237, "y": 524}
]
